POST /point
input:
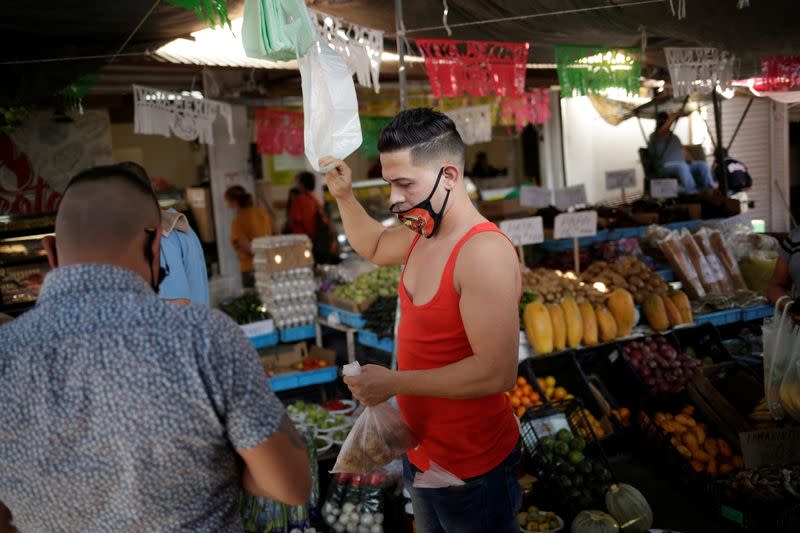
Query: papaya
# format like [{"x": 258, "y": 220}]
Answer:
[
  {"x": 574, "y": 321},
  {"x": 538, "y": 327},
  {"x": 559, "y": 327},
  {"x": 606, "y": 325},
  {"x": 673, "y": 315},
  {"x": 620, "y": 303},
  {"x": 656, "y": 314},
  {"x": 681, "y": 301},
  {"x": 589, "y": 324}
]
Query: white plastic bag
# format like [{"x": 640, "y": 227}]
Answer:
[
  {"x": 781, "y": 352},
  {"x": 377, "y": 438},
  {"x": 330, "y": 107},
  {"x": 436, "y": 478}
]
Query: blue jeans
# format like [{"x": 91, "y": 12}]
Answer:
[
  {"x": 692, "y": 176},
  {"x": 484, "y": 504}
]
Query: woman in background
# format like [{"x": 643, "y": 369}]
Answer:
[{"x": 249, "y": 223}]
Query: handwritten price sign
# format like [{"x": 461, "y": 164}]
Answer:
[
  {"x": 570, "y": 196},
  {"x": 524, "y": 231},
  {"x": 530, "y": 196},
  {"x": 575, "y": 225}
]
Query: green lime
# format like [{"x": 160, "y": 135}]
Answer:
[
  {"x": 561, "y": 448},
  {"x": 578, "y": 444},
  {"x": 575, "y": 457},
  {"x": 564, "y": 435}
]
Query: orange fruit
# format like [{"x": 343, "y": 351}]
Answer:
[
  {"x": 522, "y": 381},
  {"x": 559, "y": 393},
  {"x": 520, "y": 411},
  {"x": 515, "y": 401},
  {"x": 535, "y": 397},
  {"x": 527, "y": 390},
  {"x": 517, "y": 392},
  {"x": 526, "y": 402}
]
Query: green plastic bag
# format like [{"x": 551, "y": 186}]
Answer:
[{"x": 278, "y": 30}]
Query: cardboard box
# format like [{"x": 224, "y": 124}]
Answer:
[
  {"x": 199, "y": 200},
  {"x": 333, "y": 300},
  {"x": 282, "y": 360}
]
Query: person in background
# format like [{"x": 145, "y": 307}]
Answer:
[
  {"x": 458, "y": 337},
  {"x": 482, "y": 168},
  {"x": 182, "y": 254},
  {"x": 673, "y": 160},
  {"x": 250, "y": 223},
  {"x": 786, "y": 276},
  {"x": 124, "y": 412},
  {"x": 305, "y": 215}
]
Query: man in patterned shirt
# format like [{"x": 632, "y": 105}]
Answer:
[{"x": 120, "y": 411}]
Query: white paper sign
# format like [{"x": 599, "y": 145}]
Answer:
[
  {"x": 575, "y": 225},
  {"x": 770, "y": 447},
  {"x": 667, "y": 188},
  {"x": 621, "y": 179},
  {"x": 570, "y": 196},
  {"x": 523, "y": 231},
  {"x": 197, "y": 198},
  {"x": 531, "y": 196}
]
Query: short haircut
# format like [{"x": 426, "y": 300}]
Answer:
[
  {"x": 104, "y": 208},
  {"x": 138, "y": 170},
  {"x": 662, "y": 116},
  {"x": 430, "y": 135},
  {"x": 239, "y": 196},
  {"x": 307, "y": 180}
]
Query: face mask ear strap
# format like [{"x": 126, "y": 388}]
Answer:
[{"x": 436, "y": 185}]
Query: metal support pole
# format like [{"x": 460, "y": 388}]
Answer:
[
  {"x": 401, "y": 52},
  {"x": 739, "y": 125},
  {"x": 719, "y": 158}
]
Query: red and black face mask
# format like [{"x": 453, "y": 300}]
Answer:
[{"x": 422, "y": 218}]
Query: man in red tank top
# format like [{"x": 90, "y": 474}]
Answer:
[{"x": 459, "y": 328}]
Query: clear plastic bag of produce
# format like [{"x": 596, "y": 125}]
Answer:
[
  {"x": 709, "y": 278},
  {"x": 377, "y": 438},
  {"x": 703, "y": 241},
  {"x": 757, "y": 269},
  {"x": 781, "y": 353},
  {"x": 673, "y": 250},
  {"x": 723, "y": 251}
]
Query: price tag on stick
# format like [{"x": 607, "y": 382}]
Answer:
[
  {"x": 569, "y": 197},
  {"x": 523, "y": 231},
  {"x": 531, "y": 196},
  {"x": 620, "y": 179},
  {"x": 665, "y": 188},
  {"x": 575, "y": 226}
]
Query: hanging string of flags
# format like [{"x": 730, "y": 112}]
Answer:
[
  {"x": 780, "y": 73},
  {"x": 584, "y": 70},
  {"x": 698, "y": 69},
  {"x": 474, "y": 124},
  {"x": 361, "y": 47},
  {"x": 533, "y": 107},
  {"x": 159, "y": 112}
]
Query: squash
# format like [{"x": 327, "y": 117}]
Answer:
[
  {"x": 594, "y": 522},
  {"x": 606, "y": 325},
  {"x": 559, "y": 327},
  {"x": 589, "y": 324},
  {"x": 681, "y": 301},
  {"x": 673, "y": 314},
  {"x": 655, "y": 312},
  {"x": 620, "y": 303},
  {"x": 538, "y": 327},
  {"x": 630, "y": 508},
  {"x": 572, "y": 317}
]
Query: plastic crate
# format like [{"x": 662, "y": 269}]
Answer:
[
  {"x": 704, "y": 340},
  {"x": 549, "y": 467},
  {"x": 299, "y": 333},
  {"x": 348, "y": 318},
  {"x": 263, "y": 341},
  {"x": 720, "y": 318},
  {"x": 303, "y": 379},
  {"x": 369, "y": 338},
  {"x": 757, "y": 312}
]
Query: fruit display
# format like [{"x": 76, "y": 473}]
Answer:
[
  {"x": 538, "y": 327},
  {"x": 659, "y": 365},
  {"x": 623, "y": 416},
  {"x": 380, "y": 282},
  {"x": 379, "y": 316},
  {"x": 594, "y": 522},
  {"x": 761, "y": 417},
  {"x": 355, "y": 503},
  {"x": 316, "y": 416},
  {"x": 621, "y": 304},
  {"x": 597, "y": 426},
  {"x": 665, "y": 311},
  {"x": 553, "y": 285},
  {"x": 627, "y": 273},
  {"x": 523, "y": 396},
  {"x": 311, "y": 363},
  {"x": 574, "y": 320},
  {"x": 536, "y": 521},
  {"x": 563, "y": 462},
  {"x": 552, "y": 392},
  {"x": 706, "y": 454},
  {"x": 630, "y": 508}
]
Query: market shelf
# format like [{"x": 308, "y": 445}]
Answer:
[
  {"x": 757, "y": 312},
  {"x": 720, "y": 318},
  {"x": 300, "y": 333},
  {"x": 368, "y": 338},
  {"x": 348, "y": 318},
  {"x": 303, "y": 379},
  {"x": 264, "y": 341}
]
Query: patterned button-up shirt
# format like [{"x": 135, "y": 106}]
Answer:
[{"x": 121, "y": 412}]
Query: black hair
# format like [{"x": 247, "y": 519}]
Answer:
[
  {"x": 307, "y": 180},
  {"x": 428, "y": 133},
  {"x": 119, "y": 171},
  {"x": 136, "y": 169},
  {"x": 239, "y": 196},
  {"x": 662, "y": 116}
]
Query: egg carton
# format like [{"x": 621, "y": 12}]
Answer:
[{"x": 279, "y": 241}]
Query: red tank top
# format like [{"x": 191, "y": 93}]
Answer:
[{"x": 466, "y": 437}]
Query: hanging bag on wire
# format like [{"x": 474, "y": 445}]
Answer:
[
  {"x": 330, "y": 107},
  {"x": 277, "y": 30},
  {"x": 378, "y": 437}
]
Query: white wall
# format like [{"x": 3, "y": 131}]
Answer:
[{"x": 592, "y": 147}]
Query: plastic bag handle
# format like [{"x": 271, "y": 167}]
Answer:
[{"x": 783, "y": 315}]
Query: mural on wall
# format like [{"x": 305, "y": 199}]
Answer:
[{"x": 38, "y": 159}]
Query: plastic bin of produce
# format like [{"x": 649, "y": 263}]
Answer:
[
  {"x": 263, "y": 341},
  {"x": 570, "y": 464},
  {"x": 296, "y": 380},
  {"x": 348, "y": 318},
  {"x": 720, "y": 318},
  {"x": 369, "y": 338},
  {"x": 757, "y": 312},
  {"x": 753, "y": 507},
  {"x": 564, "y": 368},
  {"x": 299, "y": 333},
  {"x": 702, "y": 341}
]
